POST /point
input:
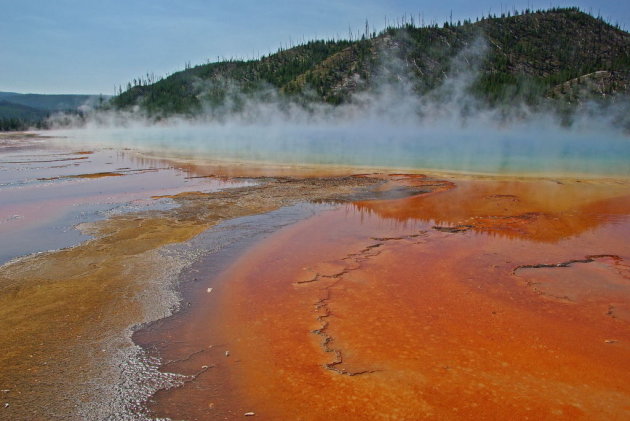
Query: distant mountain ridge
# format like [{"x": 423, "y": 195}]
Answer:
[
  {"x": 559, "y": 55},
  {"x": 4, "y": 95},
  {"x": 20, "y": 111},
  {"x": 50, "y": 102},
  {"x": 9, "y": 110}
]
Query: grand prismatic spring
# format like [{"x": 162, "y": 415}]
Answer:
[{"x": 137, "y": 286}]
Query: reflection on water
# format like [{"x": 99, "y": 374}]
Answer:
[
  {"x": 45, "y": 191},
  {"x": 544, "y": 210}
]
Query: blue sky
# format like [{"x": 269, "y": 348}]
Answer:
[{"x": 86, "y": 46}]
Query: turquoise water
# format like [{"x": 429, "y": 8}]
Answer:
[{"x": 524, "y": 149}]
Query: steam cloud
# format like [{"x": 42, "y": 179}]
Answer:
[{"x": 388, "y": 126}]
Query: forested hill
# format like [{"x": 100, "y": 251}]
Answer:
[
  {"x": 561, "y": 55},
  {"x": 23, "y": 111}
]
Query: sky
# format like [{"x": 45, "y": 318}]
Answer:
[{"x": 92, "y": 47}]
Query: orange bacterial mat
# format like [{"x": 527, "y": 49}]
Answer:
[{"x": 485, "y": 299}]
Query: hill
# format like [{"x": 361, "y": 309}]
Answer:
[
  {"x": 4, "y": 95},
  {"x": 558, "y": 55},
  {"x": 52, "y": 102},
  {"x": 21, "y": 111},
  {"x": 19, "y": 117},
  {"x": 18, "y": 111}
]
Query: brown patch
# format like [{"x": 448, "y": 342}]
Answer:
[
  {"x": 44, "y": 160},
  {"x": 89, "y": 175}
]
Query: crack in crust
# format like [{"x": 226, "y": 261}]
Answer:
[
  {"x": 187, "y": 358},
  {"x": 618, "y": 266},
  {"x": 587, "y": 259},
  {"x": 453, "y": 230},
  {"x": 322, "y": 305}
]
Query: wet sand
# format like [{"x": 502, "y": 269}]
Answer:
[
  {"x": 486, "y": 300},
  {"x": 389, "y": 296}
]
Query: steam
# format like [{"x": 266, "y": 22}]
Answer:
[{"x": 387, "y": 125}]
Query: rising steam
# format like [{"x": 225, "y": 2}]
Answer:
[{"x": 388, "y": 126}]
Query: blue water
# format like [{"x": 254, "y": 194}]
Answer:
[{"x": 526, "y": 149}]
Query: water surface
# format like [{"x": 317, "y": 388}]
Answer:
[{"x": 542, "y": 148}]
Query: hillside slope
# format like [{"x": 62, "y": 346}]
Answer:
[
  {"x": 22, "y": 111},
  {"x": 10, "y": 110},
  {"x": 561, "y": 55},
  {"x": 52, "y": 102}
]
